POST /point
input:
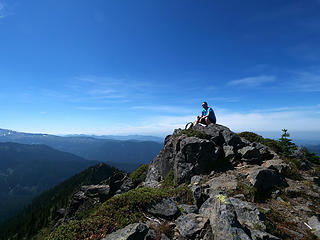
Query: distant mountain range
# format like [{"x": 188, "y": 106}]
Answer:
[
  {"x": 126, "y": 154},
  {"x": 27, "y": 170},
  {"x": 122, "y": 138}
]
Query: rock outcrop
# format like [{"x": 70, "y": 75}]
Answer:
[
  {"x": 225, "y": 175},
  {"x": 215, "y": 148}
]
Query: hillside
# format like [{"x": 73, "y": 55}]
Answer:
[
  {"x": 105, "y": 150},
  {"x": 44, "y": 208},
  {"x": 206, "y": 183},
  {"x": 27, "y": 170}
]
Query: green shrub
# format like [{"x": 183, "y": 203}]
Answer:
[
  {"x": 251, "y": 137},
  {"x": 116, "y": 213},
  {"x": 169, "y": 180},
  {"x": 312, "y": 157},
  {"x": 140, "y": 174}
]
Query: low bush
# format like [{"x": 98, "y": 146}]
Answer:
[
  {"x": 117, "y": 212},
  {"x": 140, "y": 174}
]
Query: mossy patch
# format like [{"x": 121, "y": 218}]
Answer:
[{"x": 195, "y": 133}]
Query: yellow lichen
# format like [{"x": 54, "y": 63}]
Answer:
[{"x": 222, "y": 198}]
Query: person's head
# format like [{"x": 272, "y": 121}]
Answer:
[{"x": 205, "y": 105}]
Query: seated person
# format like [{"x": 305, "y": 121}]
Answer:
[{"x": 207, "y": 115}]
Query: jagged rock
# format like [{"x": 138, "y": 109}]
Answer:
[
  {"x": 277, "y": 164},
  {"x": 265, "y": 153},
  {"x": 265, "y": 179},
  {"x": 165, "y": 208},
  {"x": 196, "y": 156},
  {"x": 186, "y": 209},
  {"x": 189, "y": 156},
  {"x": 120, "y": 182},
  {"x": 89, "y": 195},
  {"x": 191, "y": 224},
  {"x": 248, "y": 214},
  {"x": 198, "y": 196},
  {"x": 250, "y": 154},
  {"x": 229, "y": 152},
  {"x": 314, "y": 222},
  {"x": 137, "y": 231},
  {"x": 231, "y": 218},
  {"x": 163, "y": 163},
  {"x": 223, "y": 220},
  {"x": 100, "y": 191},
  {"x": 220, "y": 134}
]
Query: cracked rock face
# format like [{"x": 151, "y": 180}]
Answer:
[{"x": 187, "y": 156}]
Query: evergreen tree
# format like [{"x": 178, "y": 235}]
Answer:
[{"x": 285, "y": 143}]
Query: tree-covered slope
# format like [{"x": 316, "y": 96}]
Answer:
[
  {"x": 27, "y": 170},
  {"x": 43, "y": 210}
]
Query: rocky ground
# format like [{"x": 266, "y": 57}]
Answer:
[{"x": 238, "y": 190}]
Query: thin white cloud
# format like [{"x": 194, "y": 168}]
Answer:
[
  {"x": 90, "y": 108},
  {"x": 163, "y": 108},
  {"x": 252, "y": 121},
  {"x": 252, "y": 81},
  {"x": 305, "y": 82}
]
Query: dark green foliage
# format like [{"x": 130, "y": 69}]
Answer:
[
  {"x": 253, "y": 137},
  {"x": 169, "y": 180},
  {"x": 42, "y": 212},
  {"x": 140, "y": 174},
  {"x": 312, "y": 157},
  {"x": 194, "y": 133},
  {"x": 28, "y": 170},
  {"x": 116, "y": 213},
  {"x": 285, "y": 143}
]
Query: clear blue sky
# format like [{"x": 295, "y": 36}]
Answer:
[{"x": 144, "y": 67}]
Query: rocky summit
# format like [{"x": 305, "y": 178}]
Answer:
[{"x": 206, "y": 183}]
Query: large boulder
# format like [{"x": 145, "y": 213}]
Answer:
[
  {"x": 136, "y": 231},
  {"x": 231, "y": 218},
  {"x": 165, "y": 208},
  {"x": 266, "y": 179},
  {"x": 191, "y": 225},
  {"x": 196, "y": 156}
]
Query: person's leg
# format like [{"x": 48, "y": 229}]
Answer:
[
  {"x": 196, "y": 121},
  {"x": 207, "y": 119}
]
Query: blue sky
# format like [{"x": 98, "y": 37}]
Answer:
[{"x": 144, "y": 67}]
